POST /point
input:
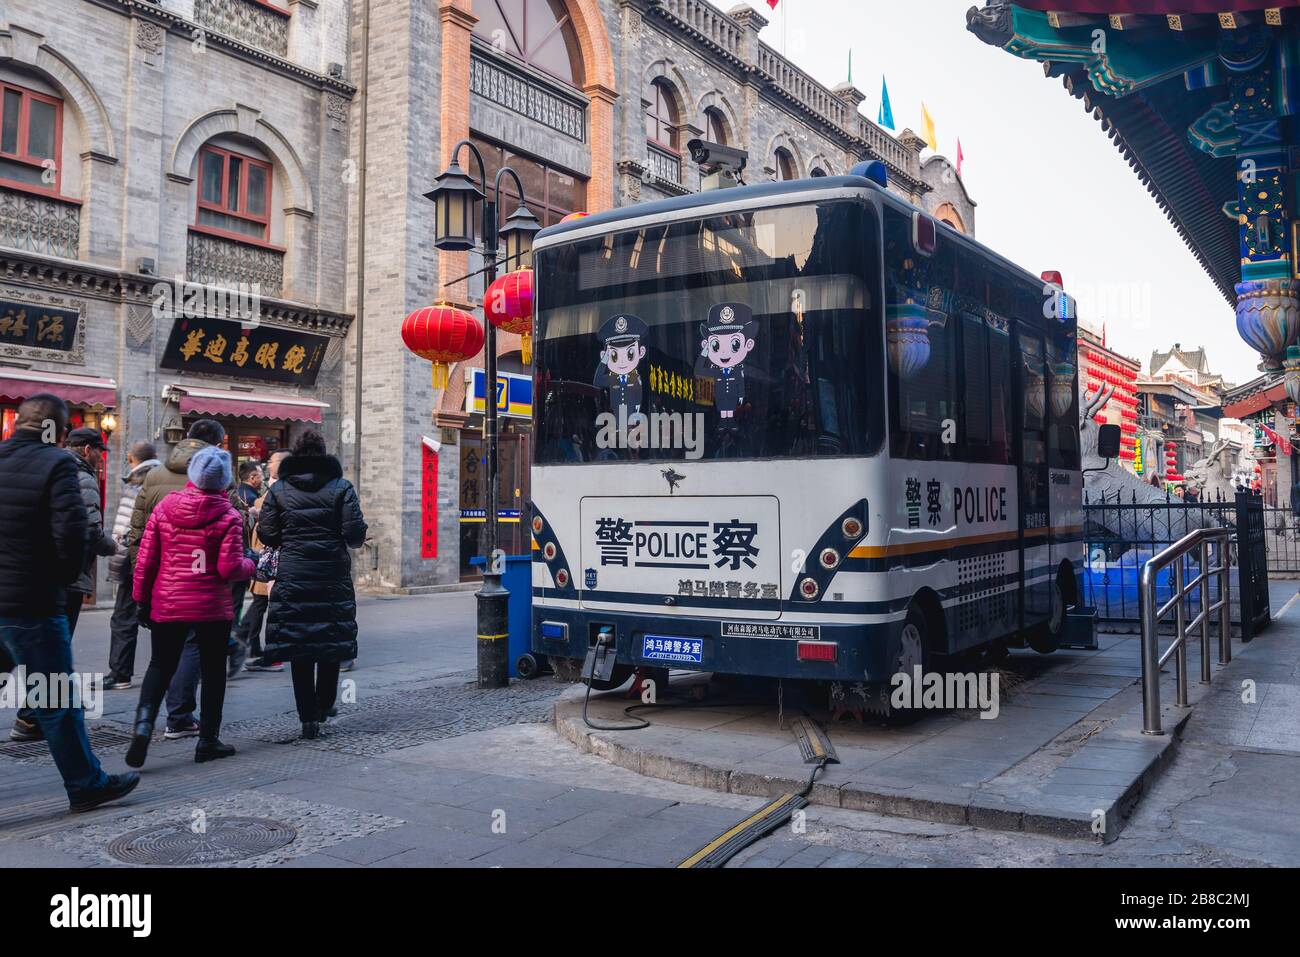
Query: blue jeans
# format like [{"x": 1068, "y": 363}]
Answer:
[{"x": 44, "y": 646}]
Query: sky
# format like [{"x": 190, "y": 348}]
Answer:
[{"x": 1052, "y": 191}]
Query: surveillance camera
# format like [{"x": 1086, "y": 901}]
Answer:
[{"x": 714, "y": 157}]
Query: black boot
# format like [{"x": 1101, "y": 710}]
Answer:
[
  {"x": 210, "y": 749},
  {"x": 145, "y": 715},
  {"x": 310, "y": 730}
]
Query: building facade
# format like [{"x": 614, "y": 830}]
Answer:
[
  {"x": 593, "y": 103},
  {"x": 1101, "y": 367},
  {"x": 174, "y": 217}
]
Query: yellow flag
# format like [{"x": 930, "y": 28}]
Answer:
[{"x": 931, "y": 140}]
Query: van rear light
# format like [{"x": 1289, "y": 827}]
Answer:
[
  {"x": 817, "y": 650},
  {"x": 925, "y": 236}
]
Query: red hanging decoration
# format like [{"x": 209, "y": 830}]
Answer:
[
  {"x": 442, "y": 334},
  {"x": 508, "y": 305},
  {"x": 572, "y": 216}
]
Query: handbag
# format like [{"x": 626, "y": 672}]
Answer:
[{"x": 268, "y": 565}]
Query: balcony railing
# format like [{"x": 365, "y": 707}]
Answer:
[
  {"x": 215, "y": 261},
  {"x": 526, "y": 96},
  {"x": 247, "y": 21},
  {"x": 39, "y": 224},
  {"x": 665, "y": 164},
  {"x": 709, "y": 22}
]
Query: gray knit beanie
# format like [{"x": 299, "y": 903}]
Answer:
[{"x": 209, "y": 469}]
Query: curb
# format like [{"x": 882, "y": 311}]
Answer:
[{"x": 936, "y": 803}]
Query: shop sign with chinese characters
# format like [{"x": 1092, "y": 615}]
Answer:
[
  {"x": 263, "y": 353},
  {"x": 33, "y": 325}
]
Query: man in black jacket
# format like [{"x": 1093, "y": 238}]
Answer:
[{"x": 43, "y": 540}]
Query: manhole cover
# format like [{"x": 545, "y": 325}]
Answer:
[{"x": 217, "y": 841}]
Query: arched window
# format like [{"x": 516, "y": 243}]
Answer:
[
  {"x": 947, "y": 213},
  {"x": 715, "y": 126},
  {"x": 31, "y": 138},
  {"x": 817, "y": 171},
  {"x": 234, "y": 194},
  {"x": 661, "y": 118},
  {"x": 538, "y": 32},
  {"x": 784, "y": 164}
]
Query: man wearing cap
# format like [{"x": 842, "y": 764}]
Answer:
[
  {"x": 89, "y": 448},
  {"x": 726, "y": 339},
  {"x": 622, "y": 335}
]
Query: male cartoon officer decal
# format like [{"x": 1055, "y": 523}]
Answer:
[
  {"x": 728, "y": 337},
  {"x": 622, "y": 335}
]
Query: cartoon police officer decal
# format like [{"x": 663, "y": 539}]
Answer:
[
  {"x": 622, "y": 335},
  {"x": 727, "y": 338}
]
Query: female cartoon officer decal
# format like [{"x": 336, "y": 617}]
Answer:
[
  {"x": 728, "y": 337},
  {"x": 622, "y": 335}
]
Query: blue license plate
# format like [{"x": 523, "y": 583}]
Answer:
[{"x": 668, "y": 648}]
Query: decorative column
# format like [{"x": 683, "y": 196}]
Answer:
[{"x": 1268, "y": 296}]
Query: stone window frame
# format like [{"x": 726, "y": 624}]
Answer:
[
  {"x": 783, "y": 162},
  {"x": 26, "y": 159},
  {"x": 715, "y": 126}
]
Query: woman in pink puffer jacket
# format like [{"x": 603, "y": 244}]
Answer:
[{"x": 192, "y": 549}]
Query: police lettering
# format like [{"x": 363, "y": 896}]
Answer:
[
  {"x": 676, "y": 544},
  {"x": 974, "y": 504}
]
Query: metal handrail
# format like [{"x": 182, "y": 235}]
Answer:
[{"x": 1152, "y": 615}]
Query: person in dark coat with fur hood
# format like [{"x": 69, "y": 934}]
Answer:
[{"x": 312, "y": 514}]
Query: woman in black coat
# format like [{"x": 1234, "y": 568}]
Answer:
[{"x": 313, "y": 516}]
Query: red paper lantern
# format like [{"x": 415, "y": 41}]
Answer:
[
  {"x": 442, "y": 334},
  {"x": 508, "y": 305},
  {"x": 572, "y": 216}
]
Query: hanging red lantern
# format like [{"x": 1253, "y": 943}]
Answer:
[
  {"x": 508, "y": 305},
  {"x": 572, "y": 216},
  {"x": 442, "y": 334}
]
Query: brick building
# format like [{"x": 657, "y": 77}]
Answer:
[
  {"x": 159, "y": 151},
  {"x": 153, "y": 154}
]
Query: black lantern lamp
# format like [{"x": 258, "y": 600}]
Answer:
[
  {"x": 517, "y": 238},
  {"x": 456, "y": 200}
]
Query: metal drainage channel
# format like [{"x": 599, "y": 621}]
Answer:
[{"x": 817, "y": 749}]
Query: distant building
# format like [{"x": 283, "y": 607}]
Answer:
[
  {"x": 1099, "y": 367},
  {"x": 1180, "y": 403},
  {"x": 1269, "y": 417}
]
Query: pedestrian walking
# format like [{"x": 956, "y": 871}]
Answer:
[
  {"x": 43, "y": 543},
  {"x": 267, "y": 558},
  {"x": 87, "y": 445},
  {"x": 87, "y": 448},
  {"x": 191, "y": 550},
  {"x": 313, "y": 516},
  {"x": 124, "y": 629},
  {"x": 182, "y": 696}
]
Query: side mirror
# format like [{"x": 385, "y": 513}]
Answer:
[{"x": 1108, "y": 442}]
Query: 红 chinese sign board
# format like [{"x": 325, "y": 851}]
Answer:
[
  {"x": 514, "y": 394},
  {"x": 32, "y": 324},
  {"x": 716, "y": 551},
  {"x": 263, "y": 353}
]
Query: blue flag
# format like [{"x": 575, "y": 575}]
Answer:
[{"x": 886, "y": 117}]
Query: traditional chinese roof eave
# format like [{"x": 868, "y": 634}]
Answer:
[{"x": 1149, "y": 128}]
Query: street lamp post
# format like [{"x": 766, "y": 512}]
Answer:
[{"x": 456, "y": 199}]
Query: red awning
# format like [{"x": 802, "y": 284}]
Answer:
[
  {"x": 1255, "y": 403},
  {"x": 248, "y": 405},
  {"x": 18, "y": 384},
  {"x": 1156, "y": 7}
]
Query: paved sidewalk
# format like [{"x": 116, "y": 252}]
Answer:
[{"x": 422, "y": 769}]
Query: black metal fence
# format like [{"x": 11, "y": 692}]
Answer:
[{"x": 1121, "y": 534}]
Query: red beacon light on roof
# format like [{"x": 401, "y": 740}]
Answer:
[{"x": 1054, "y": 278}]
